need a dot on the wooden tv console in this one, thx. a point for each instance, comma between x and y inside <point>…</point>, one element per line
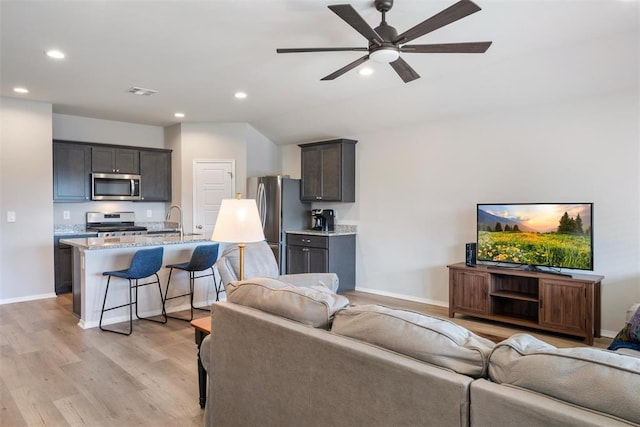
<point>568,305</point>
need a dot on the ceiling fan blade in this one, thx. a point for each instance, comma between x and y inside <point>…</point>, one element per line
<point>346,68</point>
<point>451,14</point>
<point>353,18</point>
<point>322,49</point>
<point>471,47</point>
<point>404,70</point>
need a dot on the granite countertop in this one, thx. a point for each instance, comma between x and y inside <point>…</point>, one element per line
<point>97,243</point>
<point>339,231</point>
<point>152,227</point>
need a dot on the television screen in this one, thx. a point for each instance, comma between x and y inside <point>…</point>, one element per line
<point>554,235</point>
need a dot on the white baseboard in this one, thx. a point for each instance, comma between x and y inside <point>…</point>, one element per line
<point>402,296</point>
<point>27,298</point>
<point>125,318</point>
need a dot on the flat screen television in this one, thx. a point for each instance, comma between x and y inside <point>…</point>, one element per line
<point>553,235</point>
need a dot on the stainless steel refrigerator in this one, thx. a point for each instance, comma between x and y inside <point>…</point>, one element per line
<point>280,208</point>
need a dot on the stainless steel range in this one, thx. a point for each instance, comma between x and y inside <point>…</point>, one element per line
<point>114,224</point>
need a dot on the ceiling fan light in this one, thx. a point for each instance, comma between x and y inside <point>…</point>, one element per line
<point>384,55</point>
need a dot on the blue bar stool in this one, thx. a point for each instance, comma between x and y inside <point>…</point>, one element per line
<point>145,263</point>
<point>203,258</point>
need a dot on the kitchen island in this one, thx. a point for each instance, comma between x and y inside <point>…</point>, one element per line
<point>95,255</point>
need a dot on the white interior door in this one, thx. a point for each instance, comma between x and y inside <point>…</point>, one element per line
<point>213,180</point>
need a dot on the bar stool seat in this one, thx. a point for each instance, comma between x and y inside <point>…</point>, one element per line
<point>145,263</point>
<point>202,259</point>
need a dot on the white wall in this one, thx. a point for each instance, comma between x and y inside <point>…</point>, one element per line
<point>74,128</point>
<point>417,190</point>
<point>26,246</point>
<point>253,153</point>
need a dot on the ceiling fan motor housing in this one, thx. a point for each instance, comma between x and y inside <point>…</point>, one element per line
<point>383,5</point>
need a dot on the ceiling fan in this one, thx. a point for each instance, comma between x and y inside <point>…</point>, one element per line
<point>386,45</point>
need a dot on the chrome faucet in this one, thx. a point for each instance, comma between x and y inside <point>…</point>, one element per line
<point>179,222</point>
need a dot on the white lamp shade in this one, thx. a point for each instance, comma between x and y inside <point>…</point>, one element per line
<point>238,222</point>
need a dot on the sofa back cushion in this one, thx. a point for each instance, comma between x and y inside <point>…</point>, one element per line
<point>584,376</point>
<point>313,306</point>
<point>427,338</point>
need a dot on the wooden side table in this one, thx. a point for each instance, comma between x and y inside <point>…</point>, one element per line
<point>202,327</point>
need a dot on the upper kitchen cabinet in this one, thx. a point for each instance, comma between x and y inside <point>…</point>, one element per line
<point>115,160</point>
<point>155,175</point>
<point>71,171</point>
<point>329,171</point>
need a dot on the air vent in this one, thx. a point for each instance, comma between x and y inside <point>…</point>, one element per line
<point>142,91</point>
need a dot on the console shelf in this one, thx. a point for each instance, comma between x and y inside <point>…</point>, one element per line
<point>564,304</point>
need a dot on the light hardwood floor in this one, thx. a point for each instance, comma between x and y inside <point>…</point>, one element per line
<point>54,373</point>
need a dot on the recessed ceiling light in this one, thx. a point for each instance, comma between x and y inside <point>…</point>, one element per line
<point>366,71</point>
<point>55,54</point>
<point>240,95</point>
<point>179,115</point>
<point>20,90</point>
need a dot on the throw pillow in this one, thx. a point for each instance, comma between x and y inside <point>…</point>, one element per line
<point>313,306</point>
<point>426,338</point>
<point>629,336</point>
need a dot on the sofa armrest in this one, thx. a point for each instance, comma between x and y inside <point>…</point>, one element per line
<point>330,280</point>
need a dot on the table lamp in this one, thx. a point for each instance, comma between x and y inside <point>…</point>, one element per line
<point>238,222</point>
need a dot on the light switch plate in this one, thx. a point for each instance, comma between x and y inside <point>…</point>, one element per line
<point>149,213</point>
<point>66,214</point>
<point>11,216</point>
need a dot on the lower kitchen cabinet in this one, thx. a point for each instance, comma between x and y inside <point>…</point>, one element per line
<point>63,262</point>
<point>330,253</point>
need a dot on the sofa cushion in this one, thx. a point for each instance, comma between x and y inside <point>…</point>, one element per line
<point>427,338</point>
<point>589,377</point>
<point>313,305</point>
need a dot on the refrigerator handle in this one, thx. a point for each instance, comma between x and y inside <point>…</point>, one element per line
<point>262,204</point>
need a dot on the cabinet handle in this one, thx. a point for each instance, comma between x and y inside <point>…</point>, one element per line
<point>305,250</point>
<point>318,197</point>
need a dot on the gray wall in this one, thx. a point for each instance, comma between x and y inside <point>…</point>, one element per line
<point>26,246</point>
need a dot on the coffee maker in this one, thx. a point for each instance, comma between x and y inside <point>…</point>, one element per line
<point>322,220</point>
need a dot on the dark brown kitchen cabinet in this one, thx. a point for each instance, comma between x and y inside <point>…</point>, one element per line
<point>312,253</point>
<point>63,262</point>
<point>155,173</point>
<point>71,172</point>
<point>328,171</point>
<point>115,160</point>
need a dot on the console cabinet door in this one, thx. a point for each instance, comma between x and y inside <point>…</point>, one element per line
<point>71,168</point>
<point>469,292</point>
<point>563,306</point>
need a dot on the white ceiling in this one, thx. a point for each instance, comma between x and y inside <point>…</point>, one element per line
<point>198,53</point>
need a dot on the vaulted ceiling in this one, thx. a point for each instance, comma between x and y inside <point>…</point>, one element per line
<point>197,54</point>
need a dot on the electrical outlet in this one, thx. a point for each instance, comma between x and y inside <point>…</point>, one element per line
<point>149,213</point>
<point>11,216</point>
<point>66,214</point>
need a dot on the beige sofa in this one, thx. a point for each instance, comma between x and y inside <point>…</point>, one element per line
<point>285,356</point>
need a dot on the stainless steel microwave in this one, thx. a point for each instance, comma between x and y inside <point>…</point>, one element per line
<point>115,186</point>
